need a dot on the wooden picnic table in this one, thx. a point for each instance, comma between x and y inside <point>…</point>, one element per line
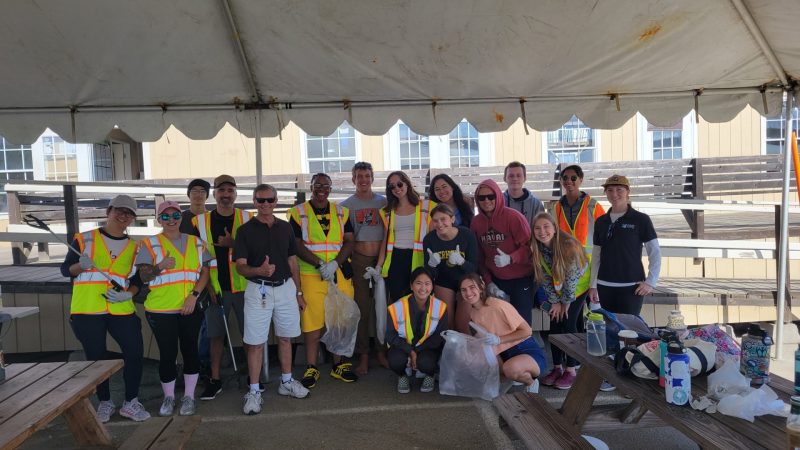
<point>34,394</point>
<point>707,430</point>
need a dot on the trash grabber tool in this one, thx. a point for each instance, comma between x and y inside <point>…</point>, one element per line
<point>36,222</point>
<point>227,333</point>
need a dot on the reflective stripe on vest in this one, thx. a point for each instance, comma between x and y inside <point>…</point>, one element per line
<point>421,222</point>
<point>580,288</point>
<point>90,285</point>
<point>169,289</point>
<point>325,246</point>
<point>203,224</point>
<point>399,313</point>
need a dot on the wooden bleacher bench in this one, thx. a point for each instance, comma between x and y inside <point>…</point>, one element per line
<point>167,433</point>
<point>537,423</point>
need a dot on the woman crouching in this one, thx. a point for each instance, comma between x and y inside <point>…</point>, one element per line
<point>413,332</point>
<point>521,357</point>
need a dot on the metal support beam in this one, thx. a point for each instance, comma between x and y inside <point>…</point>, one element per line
<point>259,170</point>
<point>752,26</point>
<point>248,73</point>
<point>783,251</point>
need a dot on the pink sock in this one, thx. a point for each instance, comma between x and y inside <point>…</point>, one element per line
<point>190,382</point>
<point>169,389</point>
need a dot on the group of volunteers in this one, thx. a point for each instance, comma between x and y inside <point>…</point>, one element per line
<point>446,260</point>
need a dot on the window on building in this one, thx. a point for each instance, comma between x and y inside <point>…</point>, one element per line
<point>415,152</point>
<point>103,162</point>
<point>16,164</point>
<point>60,159</point>
<point>667,143</point>
<point>464,146</point>
<point>334,153</point>
<point>776,133</point>
<point>572,143</point>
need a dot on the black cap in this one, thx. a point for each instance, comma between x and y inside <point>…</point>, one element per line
<point>755,330</point>
<point>199,182</point>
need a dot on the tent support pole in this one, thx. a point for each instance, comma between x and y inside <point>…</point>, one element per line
<point>259,171</point>
<point>783,251</point>
<point>752,26</point>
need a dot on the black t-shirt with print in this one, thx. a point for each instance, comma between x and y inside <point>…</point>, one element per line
<point>621,254</point>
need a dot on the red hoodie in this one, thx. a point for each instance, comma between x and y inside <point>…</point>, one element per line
<point>506,229</point>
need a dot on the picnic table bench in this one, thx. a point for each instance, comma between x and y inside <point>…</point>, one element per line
<point>34,394</point>
<point>707,430</point>
<point>167,433</point>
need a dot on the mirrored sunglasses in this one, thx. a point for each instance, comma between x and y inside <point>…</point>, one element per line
<point>166,216</point>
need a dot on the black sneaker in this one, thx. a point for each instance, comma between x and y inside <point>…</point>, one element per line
<point>213,387</point>
<point>343,371</point>
<point>310,377</point>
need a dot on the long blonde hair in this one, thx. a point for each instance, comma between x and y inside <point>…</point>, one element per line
<point>567,251</point>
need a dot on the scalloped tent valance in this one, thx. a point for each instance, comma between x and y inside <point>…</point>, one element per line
<point>84,66</point>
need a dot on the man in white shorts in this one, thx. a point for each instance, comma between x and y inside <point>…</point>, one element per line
<point>264,252</point>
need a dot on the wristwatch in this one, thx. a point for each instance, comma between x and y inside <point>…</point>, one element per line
<point>299,293</point>
<point>196,294</point>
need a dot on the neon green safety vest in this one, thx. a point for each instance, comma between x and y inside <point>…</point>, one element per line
<point>90,285</point>
<point>325,247</point>
<point>203,224</point>
<point>422,220</point>
<point>169,289</point>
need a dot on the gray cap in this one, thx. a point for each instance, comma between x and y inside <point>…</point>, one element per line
<point>123,201</point>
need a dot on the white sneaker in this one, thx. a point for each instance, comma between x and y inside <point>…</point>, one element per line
<point>134,410</point>
<point>105,410</point>
<point>252,403</point>
<point>293,389</point>
<point>167,407</point>
<point>607,387</point>
<point>187,406</point>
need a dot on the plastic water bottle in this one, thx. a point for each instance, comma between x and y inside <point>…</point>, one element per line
<point>755,354</point>
<point>666,336</point>
<point>679,380</point>
<point>793,425</point>
<point>595,334</point>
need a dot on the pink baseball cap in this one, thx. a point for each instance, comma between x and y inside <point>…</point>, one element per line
<point>167,205</point>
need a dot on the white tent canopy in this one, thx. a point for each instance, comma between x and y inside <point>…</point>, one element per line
<point>80,67</point>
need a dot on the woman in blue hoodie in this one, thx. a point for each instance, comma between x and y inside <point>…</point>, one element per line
<point>504,237</point>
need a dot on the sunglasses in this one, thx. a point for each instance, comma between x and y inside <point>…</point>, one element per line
<point>483,198</point>
<point>322,187</point>
<point>572,178</point>
<point>398,185</point>
<point>610,231</point>
<point>166,216</point>
<point>260,200</point>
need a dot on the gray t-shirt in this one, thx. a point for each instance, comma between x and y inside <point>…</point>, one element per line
<point>144,257</point>
<point>365,217</point>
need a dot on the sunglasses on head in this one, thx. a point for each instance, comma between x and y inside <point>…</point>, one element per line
<point>260,200</point>
<point>398,185</point>
<point>572,178</point>
<point>166,216</point>
<point>483,198</point>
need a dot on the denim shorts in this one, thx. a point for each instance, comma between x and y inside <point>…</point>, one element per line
<point>527,347</point>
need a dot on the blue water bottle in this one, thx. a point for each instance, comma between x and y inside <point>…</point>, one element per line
<point>679,380</point>
<point>797,371</point>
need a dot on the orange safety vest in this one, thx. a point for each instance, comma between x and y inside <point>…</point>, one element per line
<point>203,224</point>
<point>324,246</point>
<point>583,231</point>
<point>169,288</point>
<point>421,223</point>
<point>90,285</point>
<point>399,313</point>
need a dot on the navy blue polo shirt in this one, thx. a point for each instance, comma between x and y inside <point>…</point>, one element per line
<point>621,243</point>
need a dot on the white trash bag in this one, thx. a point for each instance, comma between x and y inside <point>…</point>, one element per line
<point>379,293</point>
<point>341,322</point>
<point>468,367</point>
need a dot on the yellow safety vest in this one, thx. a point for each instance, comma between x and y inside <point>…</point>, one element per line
<point>583,231</point>
<point>399,313</point>
<point>326,247</point>
<point>169,289</point>
<point>203,224</point>
<point>583,282</point>
<point>421,223</point>
<point>90,285</point>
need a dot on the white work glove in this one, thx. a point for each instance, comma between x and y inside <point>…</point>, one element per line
<point>118,296</point>
<point>85,262</point>
<point>372,272</point>
<point>490,339</point>
<point>455,258</point>
<point>433,258</point>
<point>328,270</point>
<point>493,291</point>
<point>501,259</point>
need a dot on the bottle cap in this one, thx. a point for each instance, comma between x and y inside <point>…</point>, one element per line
<point>675,347</point>
<point>595,316</point>
<point>755,330</point>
